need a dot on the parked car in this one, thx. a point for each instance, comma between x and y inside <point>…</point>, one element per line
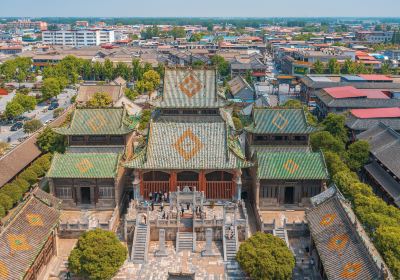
<point>53,106</point>
<point>16,126</point>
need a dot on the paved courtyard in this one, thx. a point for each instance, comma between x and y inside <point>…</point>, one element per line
<point>157,268</point>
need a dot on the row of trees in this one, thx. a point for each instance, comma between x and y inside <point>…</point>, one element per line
<point>334,67</point>
<point>12,193</point>
<point>380,220</point>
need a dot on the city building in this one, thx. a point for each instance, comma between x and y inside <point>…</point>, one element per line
<point>359,120</point>
<point>78,37</point>
<point>27,24</point>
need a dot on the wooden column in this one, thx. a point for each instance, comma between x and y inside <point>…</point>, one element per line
<point>202,181</point>
<point>141,183</point>
<point>257,194</point>
<point>172,181</point>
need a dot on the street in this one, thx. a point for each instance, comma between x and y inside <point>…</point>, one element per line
<point>41,113</point>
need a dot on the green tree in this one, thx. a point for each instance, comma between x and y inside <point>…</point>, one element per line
<point>137,70</point>
<point>122,70</point>
<point>221,64</point>
<point>32,125</point>
<point>333,66</point>
<point>318,67</point>
<point>327,142</point>
<point>151,80</point>
<point>334,163</point>
<point>6,201</point>
<point>264,256</point>
<point>26,101</point>
<point>50,141</point>
<point>348,67</point>
<point>360,68</point>
<point>13,191</point>
<point>100,100</point>
<point>131,93</point>
<point>2,212</point>
<point>335,124</point>
<point>57,112</point>
<point>51,87</point>
<point>29,175</point>
<point>178,32</point>
<point>108,70</point>
<point>22,184</point>
<point>388,241</point>
<point>358,154</point>
<point>98,255</point>
<point>386,68</point>
<point>13,109</point>
<point>196,37</point>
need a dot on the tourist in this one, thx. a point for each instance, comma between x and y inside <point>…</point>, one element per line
<point>162,206</point>
<point>151,196</point>
<point>187,206</point>
<point>182,210</point>
<point>166,196</point>
<point>152,206</point>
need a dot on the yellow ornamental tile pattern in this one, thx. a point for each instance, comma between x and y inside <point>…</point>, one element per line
<point>328,219</point>
<point>18,242</point>
<point>34,220</point>
<point>190,85</point>
<point>351,270</point>
<point>97,122</point>
<point>280,121</point>
<point>338,242</point>
<point>3,271</point>
<point>291,166</point>
<point>84,165</point>
<point>188,145</point>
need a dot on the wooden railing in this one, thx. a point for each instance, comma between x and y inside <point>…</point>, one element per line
<point>155,186</point>
<point>182,184</point>
<point>220,190</point>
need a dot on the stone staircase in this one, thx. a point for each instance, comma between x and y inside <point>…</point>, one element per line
<point>139,247</point>
<point>282,234</point>
<point>233,271</point>
<point>184,241</point>
<point>230,245</point>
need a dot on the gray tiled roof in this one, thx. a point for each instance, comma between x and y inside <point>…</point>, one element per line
<point>189,88</point>
<point>340,247</point>
<point>391,186</point>
<point>195,143</point>
<point>331,102</point>
<point>355,123</point>
<point>385,146</point>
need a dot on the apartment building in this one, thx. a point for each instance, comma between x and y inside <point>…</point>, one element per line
<point>78,37</point>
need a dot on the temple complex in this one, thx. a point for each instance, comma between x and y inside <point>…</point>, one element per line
<point>191,162</point>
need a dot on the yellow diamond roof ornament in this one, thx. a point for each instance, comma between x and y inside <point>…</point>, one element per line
<point>188,144</point>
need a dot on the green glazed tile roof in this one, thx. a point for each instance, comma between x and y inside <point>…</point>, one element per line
<point>109,121</point>
<point>291,165</point>
<point>197,143</point>
<point>279,121</point>
<point>189,88</point>
<point>84,165</point>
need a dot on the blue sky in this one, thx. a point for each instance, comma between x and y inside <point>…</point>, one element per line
<point>205,8</point>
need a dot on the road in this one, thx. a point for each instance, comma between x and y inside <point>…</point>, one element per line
<point>64,99</point>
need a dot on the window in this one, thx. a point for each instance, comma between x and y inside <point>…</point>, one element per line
<point>261,138</point>
<point>300,138</point>
<point>117,140</point>
<point>97,138</point>
<point>269,191</point>
<point>64,192</point>
<point>106,192</point>
<point>78,138</point>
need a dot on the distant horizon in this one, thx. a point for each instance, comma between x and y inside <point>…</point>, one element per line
<point>201,9</point>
